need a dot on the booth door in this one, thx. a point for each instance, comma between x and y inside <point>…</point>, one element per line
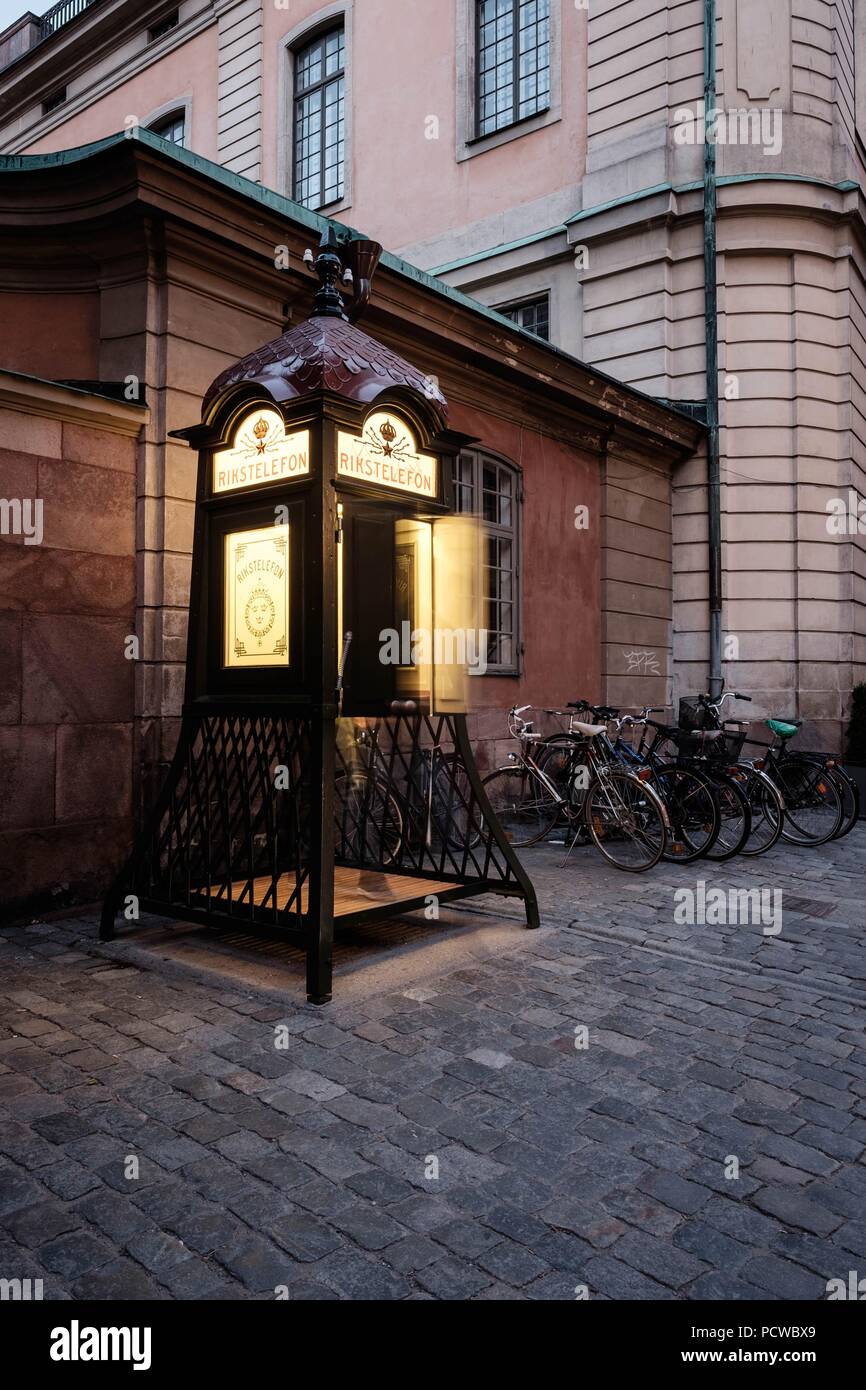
<point>368,606</point>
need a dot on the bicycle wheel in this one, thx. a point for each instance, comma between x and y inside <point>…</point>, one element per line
<point>560,759</point>
<point>627,821</point>
<point>693,812</point>
<point>736,823</point>
<point>850,801</point>
<point>455,814</point>
<point>813,801</point>
<point>368,820</point>
<point>767,806</point>
<point>848,789</point>
<point>522,804</point>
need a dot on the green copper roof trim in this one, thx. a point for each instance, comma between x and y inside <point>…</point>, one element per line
<point>846,186</point>
<point>498,250</point>
<point>287,207</point>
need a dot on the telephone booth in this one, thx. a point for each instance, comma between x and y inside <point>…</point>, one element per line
<point>323,776</point>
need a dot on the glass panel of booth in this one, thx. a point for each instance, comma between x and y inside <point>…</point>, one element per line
<point>256,598</point>
<point>431,636</point>
<point>460,642</point>
<point>413,603</point>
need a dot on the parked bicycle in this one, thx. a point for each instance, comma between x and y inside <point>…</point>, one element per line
<point>621,812</point>
<point>605,779</point>
<point>368,817</point>
<point>813,787</point>
<point>380,802</point>
<point>693,810</point>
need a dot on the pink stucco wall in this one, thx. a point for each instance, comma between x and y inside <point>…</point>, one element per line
<point>405,187</point>
<point>187,71</point>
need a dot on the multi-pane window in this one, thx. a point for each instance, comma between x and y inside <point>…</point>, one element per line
<point>172,128</point>
<point>532,314</point>
<point>513,62</point>
<point>489,489</point>
<point>319,120</point>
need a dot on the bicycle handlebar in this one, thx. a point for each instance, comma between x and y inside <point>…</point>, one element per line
<point>728,695</point>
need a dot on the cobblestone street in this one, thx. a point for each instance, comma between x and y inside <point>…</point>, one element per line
<point>448,1136</point>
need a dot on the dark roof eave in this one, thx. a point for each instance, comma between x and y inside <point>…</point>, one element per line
<point>647,414</point>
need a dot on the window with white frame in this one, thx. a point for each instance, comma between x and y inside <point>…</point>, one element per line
<point>488,487</point>
<point>319,120</point>
<point>531,314</point>
<point>512,62</point>
<point>172,128</point>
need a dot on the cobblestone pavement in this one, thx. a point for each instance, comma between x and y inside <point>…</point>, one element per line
<point>311,1168</point>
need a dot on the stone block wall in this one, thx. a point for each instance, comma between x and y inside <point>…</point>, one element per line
<point>67,605</point>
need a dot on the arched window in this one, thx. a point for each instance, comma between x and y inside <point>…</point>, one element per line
<point>319,119</point>
<point>171,127</point>
<point>489,488</point>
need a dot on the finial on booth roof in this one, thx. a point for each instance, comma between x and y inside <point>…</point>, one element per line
<point>329,268</point>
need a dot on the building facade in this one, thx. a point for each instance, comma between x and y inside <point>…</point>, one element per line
<point>131,273</point>
<point>550,159</point>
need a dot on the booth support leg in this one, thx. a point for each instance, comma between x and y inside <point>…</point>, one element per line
<point>466,755</point>
<point>319,961</point>
<point>106,921</point>
<point>321,900</point>
<point>533,921</point>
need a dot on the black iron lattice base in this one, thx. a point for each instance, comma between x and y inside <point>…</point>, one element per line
<point>244,833</point>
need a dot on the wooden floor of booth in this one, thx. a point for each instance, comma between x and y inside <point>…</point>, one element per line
<point>355,890</point>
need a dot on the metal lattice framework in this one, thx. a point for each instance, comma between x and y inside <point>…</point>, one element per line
<point>233,814</point>
<point>406,802</point>
<point>229,839</point>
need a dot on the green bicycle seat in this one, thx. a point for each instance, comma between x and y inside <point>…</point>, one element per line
<point>783,727</point>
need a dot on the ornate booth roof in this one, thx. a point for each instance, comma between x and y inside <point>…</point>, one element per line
<point>327,353</point>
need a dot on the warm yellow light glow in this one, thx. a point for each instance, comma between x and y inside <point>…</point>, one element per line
<point>261,452</point>
<point>340,553</point>
<point>257,598</point>
<point>413,584</point>
<point>387,455</point>
<point>456,610</point>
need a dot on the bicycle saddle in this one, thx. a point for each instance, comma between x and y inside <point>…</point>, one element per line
<point>589,730</point>
<point>785,728</point>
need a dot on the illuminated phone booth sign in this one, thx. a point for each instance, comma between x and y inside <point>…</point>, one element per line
<point>323,745</point>
<point>387,455</point>
<point>263,451</point>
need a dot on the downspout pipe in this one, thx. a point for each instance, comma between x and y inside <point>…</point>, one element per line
<point>711,315</point>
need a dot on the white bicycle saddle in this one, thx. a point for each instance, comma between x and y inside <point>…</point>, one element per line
<point>590,730</point>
